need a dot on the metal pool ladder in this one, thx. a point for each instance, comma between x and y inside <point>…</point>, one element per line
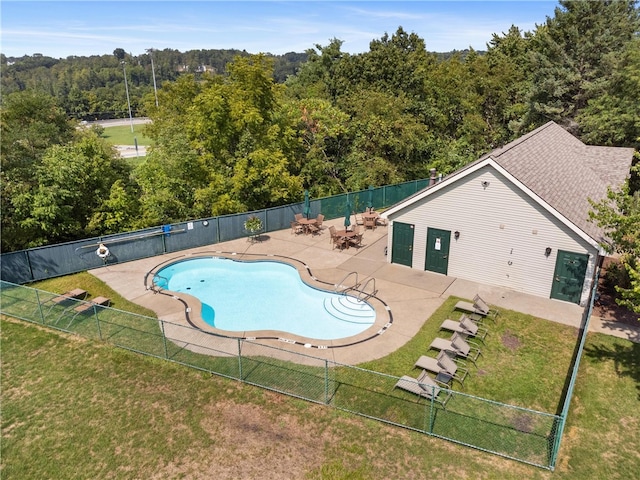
<point>362,294</point>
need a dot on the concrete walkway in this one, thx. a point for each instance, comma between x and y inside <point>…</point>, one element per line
<point>409,296</point>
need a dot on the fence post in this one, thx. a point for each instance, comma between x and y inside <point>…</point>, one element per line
<point>39,306</point>
<point>95,314</point>
<point>164,339</point>
<point>431,409</point>
<point>266,226</point>
<point>239,359</point>
<point>98,324</point>
<point>164,240</point>
<point>558,426</point>
<point>326,382</point>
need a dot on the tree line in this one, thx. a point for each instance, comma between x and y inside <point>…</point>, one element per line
<point>237,139</point>
<point>93,88</point>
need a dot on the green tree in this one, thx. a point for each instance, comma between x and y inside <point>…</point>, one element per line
<point>31,122</point>
<point>573,54</point>
<point>322,132</point>
<point>168,180</point>
<point>389,144</point>
<point>619,215</point>
<point>70,184</point>
<point>613,116</point>
<point>320,76</point>
<point>119,53</point>
<point>502,80</point>
<point>393,64</point>
<point>117,213</point>
<point>224,140</point>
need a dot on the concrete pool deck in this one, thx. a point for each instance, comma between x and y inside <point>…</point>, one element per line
<point>411,295</point>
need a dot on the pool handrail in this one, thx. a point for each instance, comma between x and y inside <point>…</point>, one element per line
<point>154,286</point>
<point>341,283</point>
<point>364,287</point>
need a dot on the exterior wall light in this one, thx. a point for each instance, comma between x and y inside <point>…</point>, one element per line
<point>484,184</point>
<point>456,234</point>
<point>547,251</point>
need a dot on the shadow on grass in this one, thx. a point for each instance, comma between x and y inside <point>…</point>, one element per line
<point>626,359</point>
<point>574,359</point>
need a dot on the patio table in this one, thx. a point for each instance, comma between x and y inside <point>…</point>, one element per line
<point>346,234</point>
<point>305,222</point>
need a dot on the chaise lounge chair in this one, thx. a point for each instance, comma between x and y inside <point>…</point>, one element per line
<point>67,297</point>
<point>424,386</point>
<point>90,305</point>
<point>458,345</point>
<point>465,327</point>
<point>443,366</point>
<point>478,309</point>
<point>75,294</point>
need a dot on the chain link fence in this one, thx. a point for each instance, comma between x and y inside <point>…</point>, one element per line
<point>525,435</point>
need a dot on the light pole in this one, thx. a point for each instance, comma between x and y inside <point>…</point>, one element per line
<point>126,87</point>
<point>153,72</point>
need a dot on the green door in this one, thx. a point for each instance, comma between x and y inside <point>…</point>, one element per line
<point>402,248</point>
<point>568,277</point>
<point>437,250</point>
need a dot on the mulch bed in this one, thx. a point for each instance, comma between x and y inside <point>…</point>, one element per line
<point>606,307</point>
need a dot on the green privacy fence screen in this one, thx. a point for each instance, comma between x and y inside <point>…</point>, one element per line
<point>521,434</point>
<point>62,259</point>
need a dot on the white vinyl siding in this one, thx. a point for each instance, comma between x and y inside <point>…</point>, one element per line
<point>503,233</point>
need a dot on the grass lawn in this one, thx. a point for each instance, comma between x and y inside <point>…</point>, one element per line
<point>95,288</point>
<point>122,135</point>
<point>101,412</point>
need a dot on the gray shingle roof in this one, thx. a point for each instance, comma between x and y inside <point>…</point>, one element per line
<point>560,169</point>
<point>565,172</point>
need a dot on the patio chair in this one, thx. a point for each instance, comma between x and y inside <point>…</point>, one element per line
<point>296,228</point>
<point>465,327</point>
<point>298,216</point>
<point>359,219</point>
<point>337,240</point>
<point>444,367</point>
<point>370,222</point>
<point>459,346</point>
<point>318,225</point>
<point>356,240</point>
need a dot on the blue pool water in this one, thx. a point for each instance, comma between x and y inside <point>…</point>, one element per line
<point>246,296</point>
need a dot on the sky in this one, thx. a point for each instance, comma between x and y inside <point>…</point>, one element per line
<point>83,28</point>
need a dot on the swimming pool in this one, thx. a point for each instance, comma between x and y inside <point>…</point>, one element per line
<point>265,295</point>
